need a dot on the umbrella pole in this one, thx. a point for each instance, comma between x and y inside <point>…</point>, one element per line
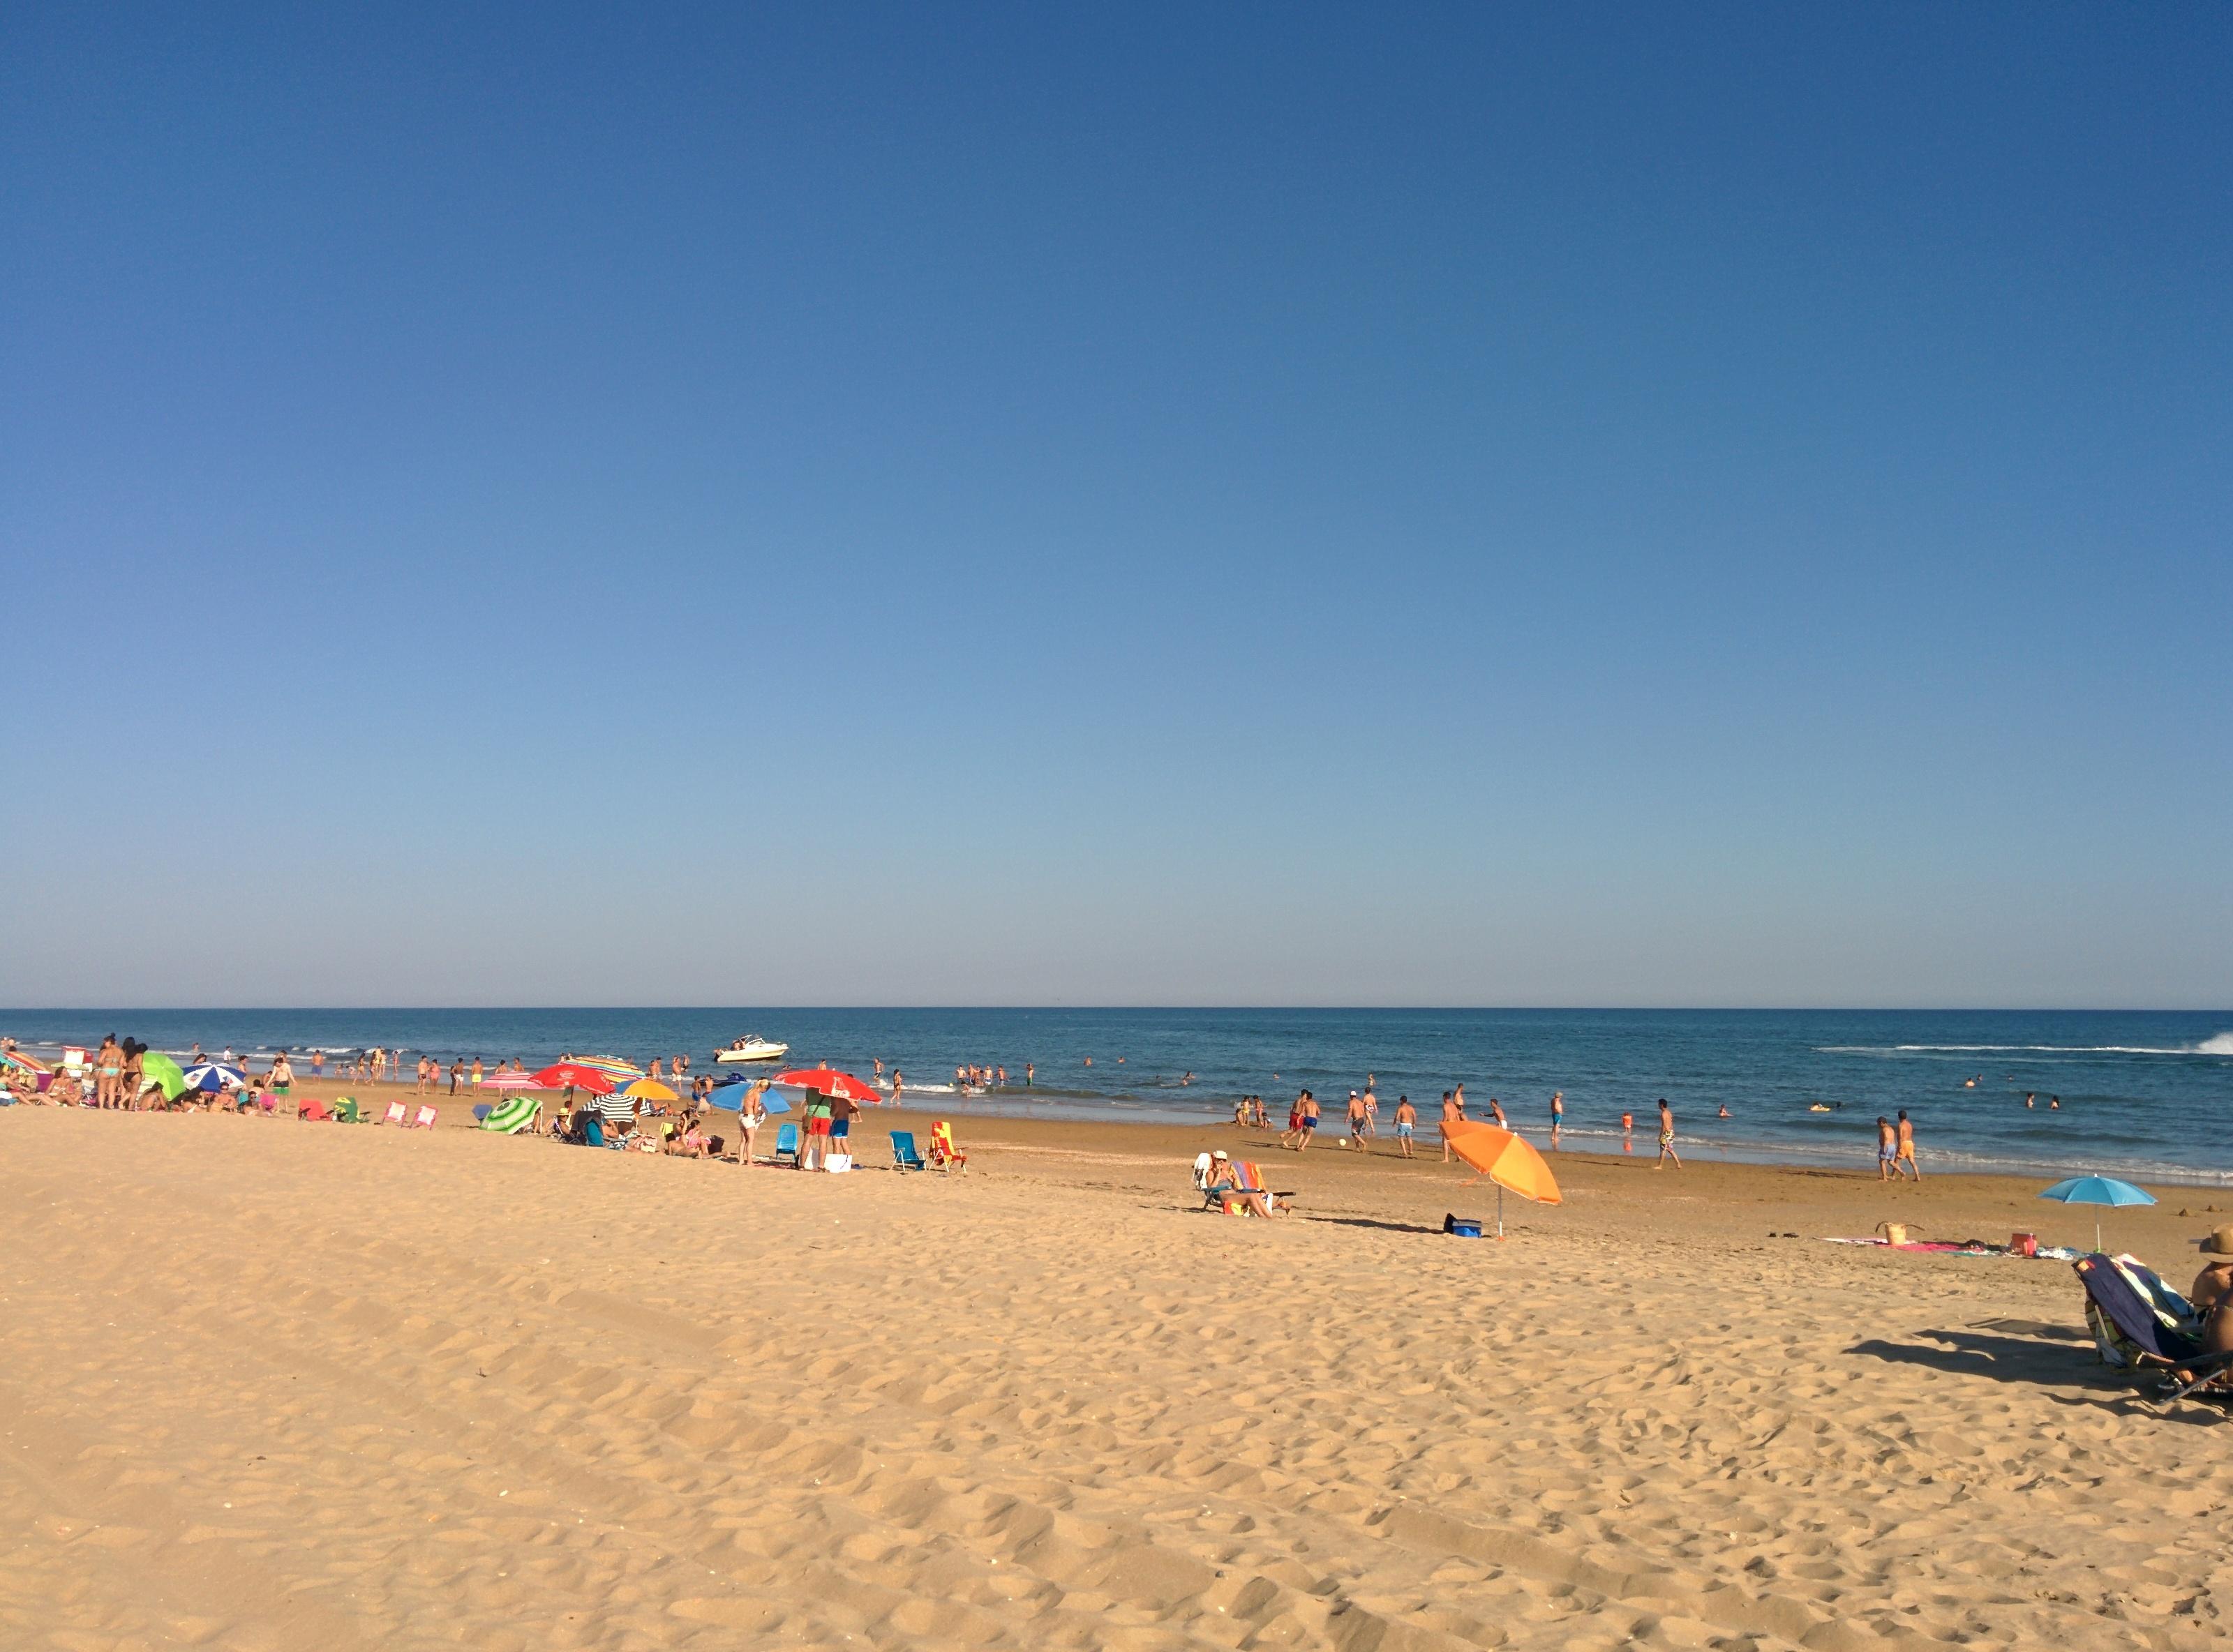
<point>1499,1209</point>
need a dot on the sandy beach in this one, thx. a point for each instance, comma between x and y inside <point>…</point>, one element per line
<point>273,1385</point>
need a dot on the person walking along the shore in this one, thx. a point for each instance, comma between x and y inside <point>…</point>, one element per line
<point>1452,1113</point>
<point>1407,1118</point>
<point>1905,1163</point>
<point>1887,1148</point>
<point>1667,1137</point>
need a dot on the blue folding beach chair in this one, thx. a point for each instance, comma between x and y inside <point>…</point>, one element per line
<point>904,1156</point>
<point>786,1145</point>
<point>2136,1319</point>
<point>2139,1322</point>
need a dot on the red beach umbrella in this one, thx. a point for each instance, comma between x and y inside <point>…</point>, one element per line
<point>830,1082</point>
<point>561,1073</point>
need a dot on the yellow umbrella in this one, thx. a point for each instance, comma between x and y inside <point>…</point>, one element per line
<point>1506,1159</point>
<point>647,1089</point>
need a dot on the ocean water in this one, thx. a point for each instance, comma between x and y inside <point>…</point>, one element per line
<point>2146,1095</point>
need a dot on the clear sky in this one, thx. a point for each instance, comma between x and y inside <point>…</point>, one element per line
<point>1481,505</point>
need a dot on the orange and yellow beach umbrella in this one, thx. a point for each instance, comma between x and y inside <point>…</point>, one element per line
<point>1508,1160</point>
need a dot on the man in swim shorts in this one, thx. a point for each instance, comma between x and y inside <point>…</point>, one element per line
<point>1905,1162</point>
<point>1667,1137</point>
<point>1887,1148</point>
<point>1407,1118</point>
<point>842,1109</point>
<point>817,1145</point>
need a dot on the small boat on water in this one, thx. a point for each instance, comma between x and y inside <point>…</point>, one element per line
<point>754,1048</point>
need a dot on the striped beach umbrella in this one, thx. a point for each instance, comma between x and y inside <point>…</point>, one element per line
<point>215,1076</point>
<point>611,1066</point>
<point>572,1074</point>
<point>510,1081</point>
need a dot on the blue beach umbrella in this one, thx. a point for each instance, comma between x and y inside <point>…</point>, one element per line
<point>2097,1190</point>
<point>215,1076</point>
<point>729,1094</point>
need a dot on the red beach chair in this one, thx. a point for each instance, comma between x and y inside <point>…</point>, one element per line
<point>944,1155</point>
<point>426,1118</point>
<point>396,1114</point>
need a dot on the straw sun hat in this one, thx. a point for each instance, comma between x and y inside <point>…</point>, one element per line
<point>2218,1241</point>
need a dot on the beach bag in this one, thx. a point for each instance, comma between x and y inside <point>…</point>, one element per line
<point>838,1162</point>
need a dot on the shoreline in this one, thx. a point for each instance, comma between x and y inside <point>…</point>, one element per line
<point>1065,1108</point>
<point>1841,1200</point>
<point>2146,1096</point>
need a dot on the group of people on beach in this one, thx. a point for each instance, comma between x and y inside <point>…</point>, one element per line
<point>119,1077</point>
<point>1362,1120</point>
<point>976,1076</point>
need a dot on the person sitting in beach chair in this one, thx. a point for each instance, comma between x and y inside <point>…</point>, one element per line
<point>944,1155</point>
<point>1238,1189</point>
<point>2140,1323</point>
<point>2137,1319</point>
<point>1214,1174</point>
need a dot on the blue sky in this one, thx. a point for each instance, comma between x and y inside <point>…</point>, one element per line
<point>1435,505</point>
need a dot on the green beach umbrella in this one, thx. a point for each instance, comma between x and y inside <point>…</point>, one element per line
<point>157,1068</point>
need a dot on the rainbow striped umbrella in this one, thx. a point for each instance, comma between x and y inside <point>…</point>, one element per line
<point>611,1066</point>
<point>510,1081</point>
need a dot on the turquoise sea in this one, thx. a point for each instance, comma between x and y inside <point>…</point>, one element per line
<point>2147,1095</point>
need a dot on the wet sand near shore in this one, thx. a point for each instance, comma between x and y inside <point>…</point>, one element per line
<point>276,1385</point>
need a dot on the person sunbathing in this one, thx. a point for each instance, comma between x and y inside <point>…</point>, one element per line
<point>1224,1184</point>
<point>2212,1293</point>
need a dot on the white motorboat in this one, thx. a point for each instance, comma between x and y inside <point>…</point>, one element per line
<point>752,1049</point>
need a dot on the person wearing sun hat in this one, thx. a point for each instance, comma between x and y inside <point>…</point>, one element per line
<point>2212,1292</point>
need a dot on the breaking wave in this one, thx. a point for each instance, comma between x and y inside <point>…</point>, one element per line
<point>2217,1044</point>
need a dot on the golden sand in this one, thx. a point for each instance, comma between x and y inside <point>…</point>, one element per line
<point>270,1385</point>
